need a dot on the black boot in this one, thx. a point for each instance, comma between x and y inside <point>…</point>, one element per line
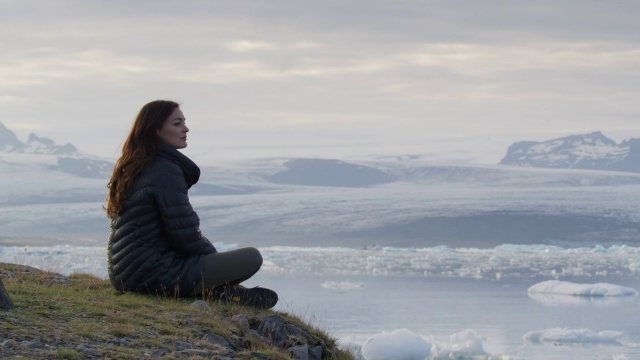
<point>256,297</point>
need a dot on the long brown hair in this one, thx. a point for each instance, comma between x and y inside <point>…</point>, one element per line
<point>140,148</point>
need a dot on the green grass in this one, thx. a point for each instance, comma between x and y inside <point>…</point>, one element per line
<point>90,311</point>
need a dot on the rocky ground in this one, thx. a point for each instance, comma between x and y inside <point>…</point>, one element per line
<point>56,317</point>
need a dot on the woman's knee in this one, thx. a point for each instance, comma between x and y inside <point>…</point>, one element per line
<point>254,257</point>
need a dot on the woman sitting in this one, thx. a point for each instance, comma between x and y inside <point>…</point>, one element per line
<point>155,244</point>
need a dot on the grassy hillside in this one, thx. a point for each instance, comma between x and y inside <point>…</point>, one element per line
<point>82,316</point>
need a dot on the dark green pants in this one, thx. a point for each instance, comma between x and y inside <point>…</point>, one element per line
<point>229,268</point>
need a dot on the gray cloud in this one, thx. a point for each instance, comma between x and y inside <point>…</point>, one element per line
<point>406,75</point>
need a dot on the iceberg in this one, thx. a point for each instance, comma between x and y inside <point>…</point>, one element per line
<point>570,288</point>
<point>398,344</point>
<point>406,345</point>
<point>573,336</point>
<point>466,344</point>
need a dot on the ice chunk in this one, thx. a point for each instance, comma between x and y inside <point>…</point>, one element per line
<point>401,344</point>
<point>342,285</point>
<point>465,344</point>
<point>565,335</point>
<point>404,344</point>
<point>569,288</point>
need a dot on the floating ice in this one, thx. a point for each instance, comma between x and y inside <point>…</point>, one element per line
<point>463,345</point>
<point>342,285</point>
<point>573,336</point>
<point>406,345</point>
<point>500,263</point>
<point>569,288</point>
<point>401,344</point>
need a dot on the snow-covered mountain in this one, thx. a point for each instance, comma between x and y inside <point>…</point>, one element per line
<point>65,158</point>
<point>592,151</point>
<point>47,192</point>
<point>35,145</point>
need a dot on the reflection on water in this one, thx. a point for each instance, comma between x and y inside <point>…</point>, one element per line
<point>573,300</point>
<point>501,312</point>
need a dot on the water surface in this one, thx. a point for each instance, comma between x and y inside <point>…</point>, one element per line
<point>499,311</point>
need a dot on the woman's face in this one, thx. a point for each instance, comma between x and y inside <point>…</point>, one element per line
<point>174,130</point>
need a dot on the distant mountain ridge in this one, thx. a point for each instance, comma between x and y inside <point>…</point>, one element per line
<point>35,145</point>
<point>329,172</point>
<point>69,159</point>
<point>593,151</point>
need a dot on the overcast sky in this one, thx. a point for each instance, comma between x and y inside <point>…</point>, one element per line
<point>448,79</point>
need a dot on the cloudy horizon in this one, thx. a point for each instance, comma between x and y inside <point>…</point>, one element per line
<point>450,79</point>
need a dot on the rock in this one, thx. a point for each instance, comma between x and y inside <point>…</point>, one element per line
<point>16,271</point>
<point>216,339</point>
<point>182,345</point>
<point>273,328</point>
<point>160,353</point>
<point>194,352</point>
<point>316,352</point>
<point>243,323</point>
<point>7,344</point>
<point>300,352</point>
<point>32,344</point>
<point>302,335</point>
<point>5,299</point>
<point>200,305</point>
<point>294,340</point>
<point>125,342</point>
<point>88,350</point>
<point>255,335</point>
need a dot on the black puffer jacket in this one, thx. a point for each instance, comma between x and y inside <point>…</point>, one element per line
<point>155,244</point>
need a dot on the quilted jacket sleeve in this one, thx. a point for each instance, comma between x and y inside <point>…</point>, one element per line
<point>181,224</point>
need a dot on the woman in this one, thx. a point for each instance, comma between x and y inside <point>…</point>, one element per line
<point>155,244</point>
